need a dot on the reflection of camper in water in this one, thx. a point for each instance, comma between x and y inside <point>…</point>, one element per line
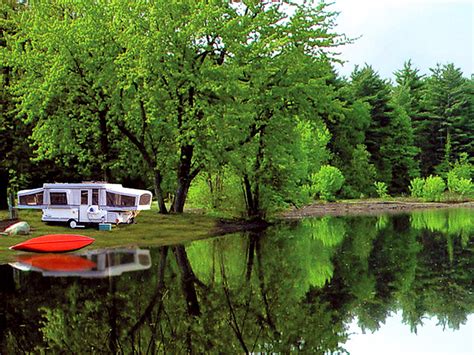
<point>91,264</point>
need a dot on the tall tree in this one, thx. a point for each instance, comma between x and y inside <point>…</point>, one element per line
<point>367,85</point>
<point>17,167</point>
<point>408,95</point>
<point>399,147</point>
<point>284,74</point>
<point>348,124</point>
<point>448,117</point>
<point>11,133</point>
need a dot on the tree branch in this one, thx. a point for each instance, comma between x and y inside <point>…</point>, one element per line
<point>140,145</point>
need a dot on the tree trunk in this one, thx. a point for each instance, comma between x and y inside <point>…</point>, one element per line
<point>252,196</point>
<point>181,194</point>
<point>251,202</point>
<point>184,178</point>
<point>3,190</point>
<point>159,192</point>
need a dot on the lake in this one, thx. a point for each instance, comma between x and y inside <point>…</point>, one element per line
<point>364,285</point>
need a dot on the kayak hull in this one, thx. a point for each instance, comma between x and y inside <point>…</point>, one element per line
<point>54,243</point>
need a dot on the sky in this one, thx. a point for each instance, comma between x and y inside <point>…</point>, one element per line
<point>394,338</point>
<point>392,31</point>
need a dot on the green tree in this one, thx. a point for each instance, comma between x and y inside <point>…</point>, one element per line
<point>348,123</point>
<point>448,113</point>
<point>412,84</point>
<point>360,174</point>
<point>367,85</point>
<point>282,71</point>
<point>399,148</point>
<point>18,168</point>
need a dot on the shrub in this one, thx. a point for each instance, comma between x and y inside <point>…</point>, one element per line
<point>452,180</point>
<point>416,187</point>
<point>329,180</point>
<point>459,185</point>
<point>464,187</point>
<point>462,168</point>
<point>381,189</point>
<point>433,188</point>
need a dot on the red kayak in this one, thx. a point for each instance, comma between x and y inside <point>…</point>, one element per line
<point>57,262</point>
<point>54,243</point>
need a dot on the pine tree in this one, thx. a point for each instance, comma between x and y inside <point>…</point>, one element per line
<point>369,87</point>
<point>447,104</point>
<point>399,148</point>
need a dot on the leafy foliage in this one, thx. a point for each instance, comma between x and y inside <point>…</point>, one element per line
<point>328,181</point>
<point>416,187</point>
<point>459,185</point>
<point>447,111</point>
<point>459,179</point>
<point>433,188</point>
<point>360,174</point>
<point>382,189</point>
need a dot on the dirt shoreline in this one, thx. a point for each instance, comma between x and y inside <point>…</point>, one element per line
<point>352,208</point>
<point>366,208</point>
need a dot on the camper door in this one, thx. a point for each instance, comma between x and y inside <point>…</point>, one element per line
<point>89,210</point>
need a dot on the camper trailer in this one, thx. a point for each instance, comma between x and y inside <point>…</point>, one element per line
<point>84,203</point>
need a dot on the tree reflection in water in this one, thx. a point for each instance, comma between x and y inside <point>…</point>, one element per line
<point>292,287</point>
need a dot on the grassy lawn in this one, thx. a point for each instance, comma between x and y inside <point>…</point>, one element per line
<point>151,229</point>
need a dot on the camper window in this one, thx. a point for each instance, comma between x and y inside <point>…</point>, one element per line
<point>84,197</point>
<point>32,200</point>
<point>58,198</point>
<point>95,197</point>
<point>145,199</point>
<point>118,200</point>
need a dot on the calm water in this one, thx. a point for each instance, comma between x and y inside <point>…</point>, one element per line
<point>388,284</point>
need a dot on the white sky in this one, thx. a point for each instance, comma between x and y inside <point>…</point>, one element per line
<point>394,338</point>
<point>426,31</point>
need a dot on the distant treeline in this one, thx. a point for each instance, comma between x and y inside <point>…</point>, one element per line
<point>235,106</point>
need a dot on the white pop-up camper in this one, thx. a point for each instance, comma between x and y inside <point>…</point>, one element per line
<point>86,202</point>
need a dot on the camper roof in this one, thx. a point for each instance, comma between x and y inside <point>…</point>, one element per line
<point>118,188</point>
<point>90,185</point>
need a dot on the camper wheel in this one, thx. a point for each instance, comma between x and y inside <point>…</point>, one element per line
<point>72,223</point>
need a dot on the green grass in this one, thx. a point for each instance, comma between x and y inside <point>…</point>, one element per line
<point>151,229</point>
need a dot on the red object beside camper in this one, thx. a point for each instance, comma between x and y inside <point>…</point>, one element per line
<point>57,262</point>
<point>54,243</point>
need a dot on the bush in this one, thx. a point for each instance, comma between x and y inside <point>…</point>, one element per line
<point>381,189</point>
<point>329,180</point>
<point>416,187</point>
<point>462,168</point>
<point>433,188</point>
<point>459,185</point>
<point>464,187</point>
